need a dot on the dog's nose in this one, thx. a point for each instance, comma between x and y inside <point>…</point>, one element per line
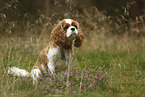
<point>73,29</point>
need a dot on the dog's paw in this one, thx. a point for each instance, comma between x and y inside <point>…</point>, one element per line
<point>35,74</point>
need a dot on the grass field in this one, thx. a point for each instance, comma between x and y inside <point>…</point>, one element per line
<point>123,58</point>
<point>105,66</point>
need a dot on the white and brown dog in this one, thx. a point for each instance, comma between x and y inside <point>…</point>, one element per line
<point>53,58</point>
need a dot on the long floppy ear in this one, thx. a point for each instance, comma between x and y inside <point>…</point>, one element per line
<point>58,35</point>
<point>79,39</point>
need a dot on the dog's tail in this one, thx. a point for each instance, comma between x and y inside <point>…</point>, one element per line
<point>15,71</point>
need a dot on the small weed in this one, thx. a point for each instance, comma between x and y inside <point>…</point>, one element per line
<point>79,80</point>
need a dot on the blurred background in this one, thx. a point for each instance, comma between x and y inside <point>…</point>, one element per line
<point>37,17</point>
<point>114,37</point>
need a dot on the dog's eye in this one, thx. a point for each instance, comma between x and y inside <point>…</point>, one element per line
<point>66,27</point>
<point>75,26</point>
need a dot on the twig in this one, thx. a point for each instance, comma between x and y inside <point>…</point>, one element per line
<point>68,73</point>
<point>6,5</point>
<point>81,80</point>
<point>4,92</point>
<point>42,32</point>
<point>55,95</point>
<point>82,77</point>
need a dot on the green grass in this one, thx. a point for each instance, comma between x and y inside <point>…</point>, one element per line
<point>123,56</point>
<point>124,59</point>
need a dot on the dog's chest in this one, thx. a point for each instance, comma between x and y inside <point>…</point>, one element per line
<point>58,57</point>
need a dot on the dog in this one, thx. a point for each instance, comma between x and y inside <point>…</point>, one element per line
<point>54,57</point>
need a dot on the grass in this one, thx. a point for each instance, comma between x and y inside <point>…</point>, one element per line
<point>123,58</point>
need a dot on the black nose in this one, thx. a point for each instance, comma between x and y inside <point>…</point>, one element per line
<point>73,29</point>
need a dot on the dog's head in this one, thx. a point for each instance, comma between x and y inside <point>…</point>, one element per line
<point>66,32</point>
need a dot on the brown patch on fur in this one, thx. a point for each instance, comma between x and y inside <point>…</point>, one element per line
<point>64,25</point>
<point>58,34</point>
<point>42,60</point>
<point>52,45</point>
<point>43,55</point>
<point>74,23</point>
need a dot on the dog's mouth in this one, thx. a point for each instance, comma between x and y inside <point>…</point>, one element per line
<point>73,35</point>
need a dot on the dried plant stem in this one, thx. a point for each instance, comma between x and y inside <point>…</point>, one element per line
<point>82,77</point>
<point>55,95</point>
<point>68,73</point>
<point>81,80</point>
<point>45,25</point>
<point>9,54</point>
<point>2,88</point>
<point>143,48</point>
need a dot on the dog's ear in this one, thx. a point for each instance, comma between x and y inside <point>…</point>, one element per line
<point>79,39</point>
<point>58,34</point>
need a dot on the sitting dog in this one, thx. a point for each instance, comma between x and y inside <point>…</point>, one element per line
<point>53,58</point>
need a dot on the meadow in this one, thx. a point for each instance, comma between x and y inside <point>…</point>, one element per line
<point>106,65</point>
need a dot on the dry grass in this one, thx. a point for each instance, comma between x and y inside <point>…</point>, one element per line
<point>122,55</point>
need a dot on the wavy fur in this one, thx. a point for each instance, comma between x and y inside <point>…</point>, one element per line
<point>79,39</point>
<point>58,35</point>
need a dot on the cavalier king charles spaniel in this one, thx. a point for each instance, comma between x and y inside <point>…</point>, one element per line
<point>54,57</point>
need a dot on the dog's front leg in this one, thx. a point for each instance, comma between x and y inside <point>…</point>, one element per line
<point>51,67</point>
<point>53,55</point>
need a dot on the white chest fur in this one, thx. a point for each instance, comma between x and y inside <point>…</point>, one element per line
<point>55,61</point>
